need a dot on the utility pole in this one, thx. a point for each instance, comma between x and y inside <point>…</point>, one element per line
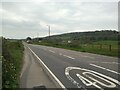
<point>37,36</point>
<point>49,30</point>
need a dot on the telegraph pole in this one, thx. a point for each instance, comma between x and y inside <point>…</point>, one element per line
<point>49,30</point>
<point>38,36</point>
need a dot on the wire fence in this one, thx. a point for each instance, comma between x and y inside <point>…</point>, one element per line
<point>101,47</point>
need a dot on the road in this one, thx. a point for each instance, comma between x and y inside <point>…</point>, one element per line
<point>78,69</point>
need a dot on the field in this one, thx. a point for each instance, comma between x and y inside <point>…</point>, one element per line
<point>11,63</point>
<point>106,47</point>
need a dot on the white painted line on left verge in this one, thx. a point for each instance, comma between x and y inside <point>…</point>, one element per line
<point>57,80</point>
<point>105,69</point>
<point>21,74</point>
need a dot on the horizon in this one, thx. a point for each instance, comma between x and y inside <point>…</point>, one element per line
<point>59,34</point>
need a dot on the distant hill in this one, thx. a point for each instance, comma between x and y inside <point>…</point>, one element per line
<point>85,37</point>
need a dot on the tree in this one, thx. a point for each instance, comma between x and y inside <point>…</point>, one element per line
<point>28,38</point>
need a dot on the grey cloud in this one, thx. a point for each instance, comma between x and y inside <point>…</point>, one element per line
<point>63,17</point>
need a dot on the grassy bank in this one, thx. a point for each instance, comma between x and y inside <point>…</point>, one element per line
<point>109,48</point>
<point>11,63</point>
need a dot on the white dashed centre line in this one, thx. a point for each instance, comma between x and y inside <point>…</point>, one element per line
<point>44,49</point>
<point>69,57</point>
<point>88,56</point>
<point>111,62</point>
<point>104,62</point>
<point>105,69</point>
<point>52,51</point>
<point>60,53</point>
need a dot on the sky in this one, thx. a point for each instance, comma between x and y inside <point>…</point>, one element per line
<point>20,19</point>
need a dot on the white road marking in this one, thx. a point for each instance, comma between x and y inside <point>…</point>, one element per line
<point>52,51</point>
<point>115,62</point>
<point>105,62</point>
<point>70,78</point>
<point>60,53</point>
<point>87,81</point>
<point>45,49</point>
<point>21,75</point>
<point>105,69</point>
<point>111,84</point>
<point>68,56</point>
<point>87,56</point>
<point>83,79</point>
<point>57,80</point>
<point>111,62</point>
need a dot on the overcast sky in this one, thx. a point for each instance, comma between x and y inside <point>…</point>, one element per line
<point>23,19</point>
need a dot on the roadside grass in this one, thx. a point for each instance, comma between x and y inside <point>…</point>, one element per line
<point>109,48</point>
<point>107,42</point>
<point>11,63</point>
<point>103,51</point>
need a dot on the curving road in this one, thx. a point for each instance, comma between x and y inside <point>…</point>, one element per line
<point>79,70</point>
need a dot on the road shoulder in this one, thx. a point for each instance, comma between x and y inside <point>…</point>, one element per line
<point>33,74</point>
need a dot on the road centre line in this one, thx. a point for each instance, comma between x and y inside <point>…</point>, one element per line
<point>105,62</point>
<point>52,51</point>
<point>60,53</point>
<point>105,69</point>
<point>111,62</point>
<point>57,80</point>
<point>87,56</point>
<point>69,56</point>
<point>45,49</point>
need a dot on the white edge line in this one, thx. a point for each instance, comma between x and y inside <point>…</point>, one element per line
<point>69,57</point>
<point>105,69</point>
<point>62,86</point>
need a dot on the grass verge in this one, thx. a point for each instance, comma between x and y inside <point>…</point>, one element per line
<point>11,63</point>
<point>97,48</point>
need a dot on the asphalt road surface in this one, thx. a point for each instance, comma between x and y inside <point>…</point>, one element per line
<point>79,70</point>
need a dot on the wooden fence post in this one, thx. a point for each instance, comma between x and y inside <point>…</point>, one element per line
<point>100,46</point>
<point>109,47</point>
